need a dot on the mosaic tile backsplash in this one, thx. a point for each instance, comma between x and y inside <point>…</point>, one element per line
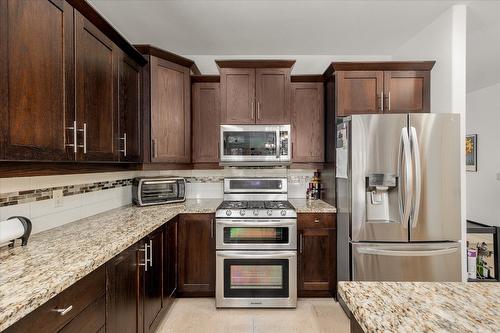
<point>89,194</point>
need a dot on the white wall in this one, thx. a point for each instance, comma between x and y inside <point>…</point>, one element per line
<point>483,186</point>
<point>444,40</point>
<point>305,64</point>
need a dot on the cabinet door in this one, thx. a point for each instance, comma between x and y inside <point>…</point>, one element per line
<point>272,95</point>
<point>96,92</point>
<point>206,122</point>
<point>170,112</point>
<point>196,255</point>
<point>153,281</point>
<point>237,95</point>
<point>124,290</point>
<point>359,92</point>
<point>317,262</point>
<point>407,91</point>
<point>308,142</point>
<point>129,110</point>
<point>36,80</point>
<point>170,263</point>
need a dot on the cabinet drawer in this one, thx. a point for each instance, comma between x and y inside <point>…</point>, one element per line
<point>316,220</point>
<point>91,320</point>
<point>80,295</point>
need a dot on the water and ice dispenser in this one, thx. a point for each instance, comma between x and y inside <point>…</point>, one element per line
<point>379,186</point>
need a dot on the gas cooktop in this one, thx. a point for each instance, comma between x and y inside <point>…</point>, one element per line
<point>267,208</point>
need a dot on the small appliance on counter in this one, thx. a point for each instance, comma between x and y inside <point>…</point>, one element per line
<point>147,191</point>
<point>15,227</point>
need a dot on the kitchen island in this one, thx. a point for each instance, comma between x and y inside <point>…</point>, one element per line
<point>422,306</point>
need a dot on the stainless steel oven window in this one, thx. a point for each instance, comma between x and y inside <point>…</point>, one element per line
<point>256,235</point>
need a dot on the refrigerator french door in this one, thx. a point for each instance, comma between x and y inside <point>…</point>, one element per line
<point>398,182</point>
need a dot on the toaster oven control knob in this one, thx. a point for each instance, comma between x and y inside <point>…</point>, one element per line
<point>228,212</point>
<point>269,212</point>
<point>255,212</point>
<point>283,212</point>
<point>242,212</point>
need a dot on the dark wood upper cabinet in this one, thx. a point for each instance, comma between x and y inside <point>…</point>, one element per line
<point>196,251</point>
<point>272,95</point>
<point>153,281</point>
<point>124,291</point>
<point>381,87</point>
<point>255,91</point>
<point>316,255</point>
<point>307,115</point>
<point>238,95</point>
<point>166,107</point>
<point>407,91</point>
<point>206,121</point>
<point>36,80</point>
<point>359,92</point>
<point>129,107</point>
<point>96,92</point>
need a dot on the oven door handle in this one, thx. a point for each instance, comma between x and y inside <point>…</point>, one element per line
<point>259,255</point>
<point>257,223</point>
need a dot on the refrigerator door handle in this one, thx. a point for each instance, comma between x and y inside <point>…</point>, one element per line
<point>415,148</point>
<point>406,199</point>
<point>403,253</point>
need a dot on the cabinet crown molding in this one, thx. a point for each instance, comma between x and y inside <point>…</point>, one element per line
<point>169,56</point>
<point>379,66</point>
<point>260,63</point>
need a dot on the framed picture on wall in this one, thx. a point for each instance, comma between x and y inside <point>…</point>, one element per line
<point>471,152</point>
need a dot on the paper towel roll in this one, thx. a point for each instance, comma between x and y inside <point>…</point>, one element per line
<point>9,230</point>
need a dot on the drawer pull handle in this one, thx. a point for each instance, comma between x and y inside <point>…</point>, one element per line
<point>62,312</point>
<point>316,220</point>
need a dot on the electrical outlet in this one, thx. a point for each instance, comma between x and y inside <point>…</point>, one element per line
<point>57,195</point>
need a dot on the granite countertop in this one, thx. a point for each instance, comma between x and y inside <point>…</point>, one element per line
<point>57,258</point>
<point>423,306</point>
<point>312,206</point>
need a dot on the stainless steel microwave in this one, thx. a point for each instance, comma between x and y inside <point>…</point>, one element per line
<point>255,145</point>
<point>158,190</point>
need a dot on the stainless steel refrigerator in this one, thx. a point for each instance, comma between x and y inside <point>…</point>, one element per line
<point>398,197</point>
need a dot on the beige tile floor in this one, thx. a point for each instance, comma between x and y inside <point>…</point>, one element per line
<point>200,315</point>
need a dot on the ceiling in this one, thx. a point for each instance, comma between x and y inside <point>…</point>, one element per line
<point>278,27</point>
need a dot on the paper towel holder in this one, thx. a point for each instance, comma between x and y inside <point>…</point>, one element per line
<point>26,225</point>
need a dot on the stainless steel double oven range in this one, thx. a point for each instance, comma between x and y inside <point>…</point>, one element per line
<point>256,242</point>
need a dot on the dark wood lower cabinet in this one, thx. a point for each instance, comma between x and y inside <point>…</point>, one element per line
<point>153,281</point>
<point>316,256</point>
<point>124,281</point>
<point>170,263</point>
<point>196,251</point>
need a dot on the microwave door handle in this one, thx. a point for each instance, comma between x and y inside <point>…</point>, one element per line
<point>278,143</point>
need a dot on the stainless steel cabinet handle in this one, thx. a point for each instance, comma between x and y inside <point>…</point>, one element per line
<point>84,130</point>
<point>74,144</point>
<point>258,110</point>
<point>389,101</point>
<point>382,101</point>
<point>301,243</point>
<point>146,260</point>
<point>150,253</point>
<point>154,150</point>
<point>124,139</point>
<point>316,220</point>
<point>252,110</point>
<point>62,312</point>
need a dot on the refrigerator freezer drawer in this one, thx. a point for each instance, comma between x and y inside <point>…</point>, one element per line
<point>406,262</point>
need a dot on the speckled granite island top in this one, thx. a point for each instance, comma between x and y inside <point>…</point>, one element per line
<point>57,258</point>
<point>312,206</point>
<point>423,306</point>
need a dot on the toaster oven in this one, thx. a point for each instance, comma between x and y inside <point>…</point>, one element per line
<point>148,191</point>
